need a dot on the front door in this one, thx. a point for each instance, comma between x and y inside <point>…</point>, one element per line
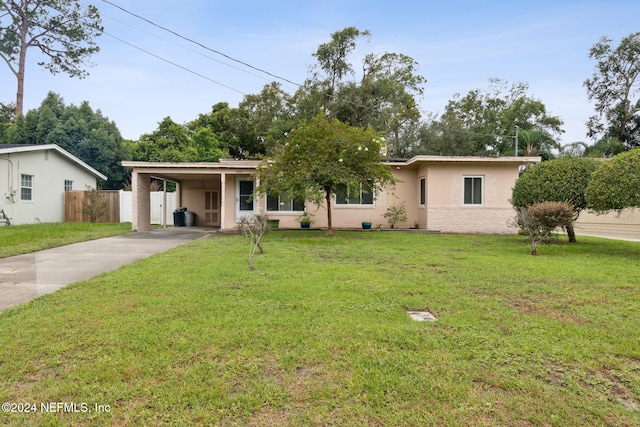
<point>245,202</point>
<point>211,208</point>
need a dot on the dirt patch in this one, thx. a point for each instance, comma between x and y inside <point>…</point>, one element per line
<point>540,308</point>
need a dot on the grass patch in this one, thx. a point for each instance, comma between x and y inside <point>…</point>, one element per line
<point>319,335</point>
<point>22,239</point>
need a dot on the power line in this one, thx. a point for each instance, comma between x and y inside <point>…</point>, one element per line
<point>174,64</point>
<point>335,97</point>
<point>202,45</point>
<point>183,47</point>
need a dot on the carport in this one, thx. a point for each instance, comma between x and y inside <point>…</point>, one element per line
<point>216,192</point>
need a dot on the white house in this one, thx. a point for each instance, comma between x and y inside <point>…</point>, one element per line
<point>33,179</point>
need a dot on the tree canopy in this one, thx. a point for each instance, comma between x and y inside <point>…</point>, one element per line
<point>484,123</point>
<point>319,157</point>
<point>615,184</point>
<point>560,180</point>
<point>614,88</point>
<point>173,142</point>
<point>62,30</point>
<point>384,95</point>
<point>85,133</point>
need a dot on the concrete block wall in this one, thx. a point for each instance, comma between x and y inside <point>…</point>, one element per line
<point>471,219</point>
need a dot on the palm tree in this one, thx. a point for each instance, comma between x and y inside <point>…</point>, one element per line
<point>537,142</point>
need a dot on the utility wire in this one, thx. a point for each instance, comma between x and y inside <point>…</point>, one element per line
<point>202,45</point>
<point>183,47</point>
<point>335,97</point>
<point>242,63</point>
<point>174,64</point>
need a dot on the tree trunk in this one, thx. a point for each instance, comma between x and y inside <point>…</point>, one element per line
<point>570,232</point>
<point>327,193</point>
<point>534,245</point>
<point>22,61</point>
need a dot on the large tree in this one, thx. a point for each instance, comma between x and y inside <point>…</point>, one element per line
<point>320,157</point>
<point>383,94</point>
<point>560,180</point>
<point>80,130</point>
<point>173,142</point>
<point>62,30</point>
<point>483,122</point>
<point>537,142</point>
<point>614,89</point>
<point>615,185</point>
<point>7,117</point>
<point>271,114</point>
<point>234,130</point>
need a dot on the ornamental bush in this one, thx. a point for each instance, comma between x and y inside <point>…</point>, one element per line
<point>615,184</point>
<point>560,180</point>
<point>541,219</point>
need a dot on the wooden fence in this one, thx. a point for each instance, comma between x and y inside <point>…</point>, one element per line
<point>77,206</point>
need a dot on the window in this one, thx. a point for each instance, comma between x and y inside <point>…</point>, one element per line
<point>423,191</point>
<point>472,190</point>
<point>26,187</point>
<point>68,185</point>
<point>284,203</point>
<point>245,195</point>
<point>359,195</point>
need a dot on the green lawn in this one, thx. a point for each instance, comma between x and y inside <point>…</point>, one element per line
<point>318,335</point>
<point>22,239</point>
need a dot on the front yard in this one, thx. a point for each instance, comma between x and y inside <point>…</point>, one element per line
<point>318,335</point>
<point>22,239</point>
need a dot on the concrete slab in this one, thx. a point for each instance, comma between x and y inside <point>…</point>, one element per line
<point>25,277</point>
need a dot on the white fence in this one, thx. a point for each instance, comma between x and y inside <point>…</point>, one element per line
<point>126,207</point>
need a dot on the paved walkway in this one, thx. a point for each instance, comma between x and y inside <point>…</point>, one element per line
<point>25,277</point>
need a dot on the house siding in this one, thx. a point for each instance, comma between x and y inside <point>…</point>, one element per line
<point>445,210</point>
<point>624,224</point>
<point>49,169</point>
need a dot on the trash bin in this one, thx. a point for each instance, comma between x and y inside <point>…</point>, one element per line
<point>179,217</point>
<point>189,219</point>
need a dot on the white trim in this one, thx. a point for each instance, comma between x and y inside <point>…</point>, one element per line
<point>22,187</point>
<point>363,205</point>
<point>241,213</point>
<point>481,177</point>
<point>280,203</point>
<point>45,147</point>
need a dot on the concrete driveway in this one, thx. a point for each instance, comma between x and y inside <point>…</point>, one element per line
<point>25,277</point>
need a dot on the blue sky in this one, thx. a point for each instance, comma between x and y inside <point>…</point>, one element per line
<point>459,45</point>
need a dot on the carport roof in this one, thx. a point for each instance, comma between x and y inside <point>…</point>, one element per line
<point>176,171</point>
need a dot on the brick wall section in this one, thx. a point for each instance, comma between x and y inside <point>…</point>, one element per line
<point>471,219</point>
<point>141,185</point>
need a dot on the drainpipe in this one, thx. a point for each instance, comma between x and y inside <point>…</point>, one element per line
<point>10,192</point>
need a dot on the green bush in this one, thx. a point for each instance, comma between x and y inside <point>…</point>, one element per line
<point>616,183</point>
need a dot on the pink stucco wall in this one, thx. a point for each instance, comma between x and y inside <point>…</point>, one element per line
<point>443,211</point>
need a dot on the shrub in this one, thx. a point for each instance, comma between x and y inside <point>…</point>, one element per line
<point>559,180</point>
<point>615,184</point>
<point>94,205</point>
<point>540,219</point>
<point>254,227</point>
<point>396,214</point>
